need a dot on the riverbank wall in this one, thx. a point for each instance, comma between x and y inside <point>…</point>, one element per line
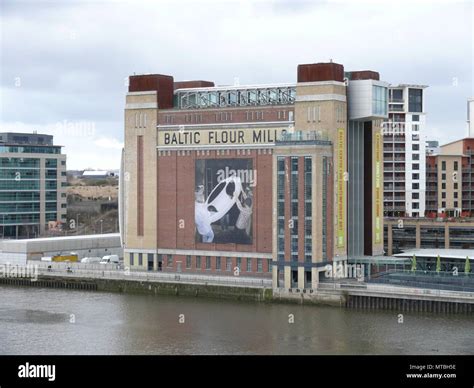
<point>242,293</point>
<point>374,298</point>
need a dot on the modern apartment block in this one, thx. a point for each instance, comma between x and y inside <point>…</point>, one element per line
<point>32,184</point>
<point>273,180</point>
<point>404,152</point>
<point>450,180</point>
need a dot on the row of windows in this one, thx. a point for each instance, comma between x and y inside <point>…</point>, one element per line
<point>26,207</point>
<point>227,116</point>
<point>221,264</point>
<point>30,149</point>
<point>455,165</point>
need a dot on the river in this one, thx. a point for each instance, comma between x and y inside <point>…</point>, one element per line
<point>51,321</point>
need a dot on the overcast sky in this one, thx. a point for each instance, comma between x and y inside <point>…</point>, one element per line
<point>64,64</point>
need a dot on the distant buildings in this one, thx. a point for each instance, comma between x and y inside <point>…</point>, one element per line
<point>32,184</point>
<point>404,152</point>
<point>432,147</point>
<point>450,180</point>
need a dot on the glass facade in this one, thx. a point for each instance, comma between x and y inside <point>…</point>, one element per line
<point>379,100</point>
<point>308,219</point>
<point>281,207</point>
<point>415,100</point>
<point>294,207</point>
<point>22,179</point>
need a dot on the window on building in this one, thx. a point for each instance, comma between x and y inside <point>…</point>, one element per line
<point>443,204</point>
<point>379,100</point>
<point>270,264</point>
<point>198,262</point>
<point>188,262</point>
<point>443,176</point>
<point>415,166</point>
<point>455,165</point>
<point>239,263</point>
<point>415,100</point>
<point>416,156</point>
<point>140,259</point>
<point>443,165</point>
<point>218,263</point>
<point>455,203</point>
<point>415,186</point>
<point>443,194</point>
<point>415,176</point>
<point>443,185</point>
<point>259,265</point>
<point>415,205</point>
<point>415,118</point>
<point>208,262</point>
<point>249,264</point>
<point>131,259</point>
<point>415,196</point>
<point>455,194</point>
<point>455,185</point>
<point>169,260</point>
<point>415,147</point>
<point>228,264</point>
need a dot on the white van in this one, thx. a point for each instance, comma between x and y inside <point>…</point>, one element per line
<point>91,260</point>
<point>110,259</point>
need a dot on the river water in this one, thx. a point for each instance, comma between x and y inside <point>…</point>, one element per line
<point>50,321</point>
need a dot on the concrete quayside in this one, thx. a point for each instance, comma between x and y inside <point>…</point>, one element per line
<point>343,293</point>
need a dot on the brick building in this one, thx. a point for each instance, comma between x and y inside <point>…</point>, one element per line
<point>450,180</point>
<point>261,180</point>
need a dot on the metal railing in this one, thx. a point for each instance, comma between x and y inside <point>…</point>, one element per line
<point>398,290</point>
<point>238,281</point>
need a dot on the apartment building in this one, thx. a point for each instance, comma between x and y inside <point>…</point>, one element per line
<point>404,152</point>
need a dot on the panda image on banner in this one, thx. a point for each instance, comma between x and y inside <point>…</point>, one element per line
<point>221,199</point>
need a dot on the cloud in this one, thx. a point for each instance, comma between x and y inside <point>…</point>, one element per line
<point>104,142</point>
<point>72,59</point>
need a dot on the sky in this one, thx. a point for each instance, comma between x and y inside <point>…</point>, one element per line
<point>64,64</point>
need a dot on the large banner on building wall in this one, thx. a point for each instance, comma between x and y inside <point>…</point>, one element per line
<point>224,200</point>
<point>341,188</point>
<point>378,186</point>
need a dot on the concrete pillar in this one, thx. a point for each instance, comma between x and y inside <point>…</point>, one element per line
<point>300,277</point>
<point>446,236</point>
<point>275,276</point>
<point>314,278</point>
<point>287,276</point>
<point>389,239</point>
<point>418,236</point>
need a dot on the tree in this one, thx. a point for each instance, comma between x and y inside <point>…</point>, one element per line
<point>438,264</point>
<point>467,266</point>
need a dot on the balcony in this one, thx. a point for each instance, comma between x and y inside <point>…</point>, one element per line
<point>394,188</point>
<point>394,208</point>
<point>396,100</point>
<point>395,108</point>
